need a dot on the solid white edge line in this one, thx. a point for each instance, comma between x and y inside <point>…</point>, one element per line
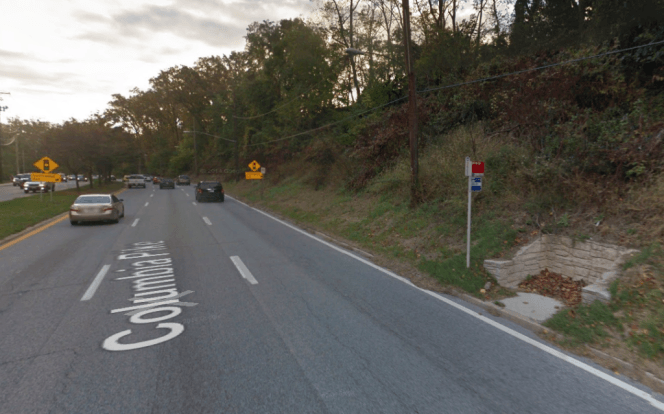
<point>621,384</point>
<point>207,221</point>
<point>243,270</point>
<point>134,223</point>
<point>340,250</point>
<point>95,283</point>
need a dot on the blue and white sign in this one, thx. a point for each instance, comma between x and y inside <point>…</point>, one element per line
<point>476,184</point>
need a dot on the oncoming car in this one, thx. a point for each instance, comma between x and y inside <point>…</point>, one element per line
<point>209,191</point>
<point>96,207</point>
<point>41,186</point>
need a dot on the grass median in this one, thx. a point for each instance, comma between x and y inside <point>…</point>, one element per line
<point>21,213</point>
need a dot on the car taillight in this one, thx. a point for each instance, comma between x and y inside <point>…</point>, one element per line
<point>73,209</point>
<point>222,191</point>
<point>107,208</point>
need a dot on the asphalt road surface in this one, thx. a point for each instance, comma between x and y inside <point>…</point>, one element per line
<point>189,307</point>
<point>9,192</point>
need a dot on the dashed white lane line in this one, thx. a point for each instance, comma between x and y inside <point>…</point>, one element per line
<point>146,204</point>
<point>186,194</point>
<point>551,351</point>
<point>207,221</point>
<point>243,270</point>
<point>193,202</point>
<point>95,283</point>
<point>134,223</point>
<point>152,195</point>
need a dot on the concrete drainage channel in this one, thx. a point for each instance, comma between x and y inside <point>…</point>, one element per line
<point>598,264</point>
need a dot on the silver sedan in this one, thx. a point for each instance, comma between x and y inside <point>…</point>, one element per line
<point>96,207</point>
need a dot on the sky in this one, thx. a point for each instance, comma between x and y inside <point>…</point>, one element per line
<point>63,59</point>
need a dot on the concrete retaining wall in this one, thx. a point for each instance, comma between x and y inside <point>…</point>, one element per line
<point>598,264</point>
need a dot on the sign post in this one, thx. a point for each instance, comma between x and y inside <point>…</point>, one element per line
<point>474,172</point>
<point>46,165</point>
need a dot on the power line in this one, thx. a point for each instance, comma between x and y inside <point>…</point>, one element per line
<point>331,124</point>
<point>285,103</point>
<point>463,84</point>
<point>540,67</point>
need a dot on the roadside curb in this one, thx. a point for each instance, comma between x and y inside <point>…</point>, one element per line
<point>607,361</point>
<point>39,225</point>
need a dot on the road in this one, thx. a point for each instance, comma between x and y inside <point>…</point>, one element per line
<point>257,316</point>
<point>9,192</point>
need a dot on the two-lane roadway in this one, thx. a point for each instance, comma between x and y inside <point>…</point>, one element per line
<point>187,307</point>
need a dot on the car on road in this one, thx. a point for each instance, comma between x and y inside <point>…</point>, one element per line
<point>166,183</point>
<point>96,207</point>
<point>156,180</point>
<point>183,180</point>
<point>63,177</point>
<point>71,177</point>
<point>135,180</point>
<point>148,179</point>
<point>209,191</point>
<point>41,186</point>
<point>20,179</point>
<point>81,177</point>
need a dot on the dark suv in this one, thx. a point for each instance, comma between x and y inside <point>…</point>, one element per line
<point>183,180</point>
<point>209,191</point>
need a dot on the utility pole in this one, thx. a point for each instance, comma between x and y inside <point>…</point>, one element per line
<point>2,108</point>
<point>237,156</point>
<point>17,170</point>
<point>412,108</point>
<point>195,149</point>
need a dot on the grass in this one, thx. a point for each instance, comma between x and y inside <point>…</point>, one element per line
<point>21,213</point>
<point>488,239</point>
<point>585,324</point>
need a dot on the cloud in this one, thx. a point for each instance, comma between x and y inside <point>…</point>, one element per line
<point>8,54</point>
<point>151,19</point>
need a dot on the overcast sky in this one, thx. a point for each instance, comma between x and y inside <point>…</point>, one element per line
<point>65,58</point>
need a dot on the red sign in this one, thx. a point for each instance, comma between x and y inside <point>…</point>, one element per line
<point>477,167</point>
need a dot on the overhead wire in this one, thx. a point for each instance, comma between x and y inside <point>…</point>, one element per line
<point>286,103</point>
<point>463,84</point>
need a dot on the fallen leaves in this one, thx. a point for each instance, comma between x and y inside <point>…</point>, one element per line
<point>555,286</point>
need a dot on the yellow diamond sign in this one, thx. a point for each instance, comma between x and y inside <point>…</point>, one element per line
<point>46,165</point>
<point>254,166</point>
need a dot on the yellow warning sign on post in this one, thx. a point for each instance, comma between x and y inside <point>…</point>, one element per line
<point>253,175</point>
<point>254,166</point>
<point>46,165</point>
<point>48,178</point>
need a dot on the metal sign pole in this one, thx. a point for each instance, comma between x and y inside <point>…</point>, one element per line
<point>468,236</point>
<point>469,175</point>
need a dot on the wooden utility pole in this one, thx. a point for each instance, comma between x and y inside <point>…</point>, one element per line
<point>2,108</point>
<point>237,140</point>
<point>412,108</point>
